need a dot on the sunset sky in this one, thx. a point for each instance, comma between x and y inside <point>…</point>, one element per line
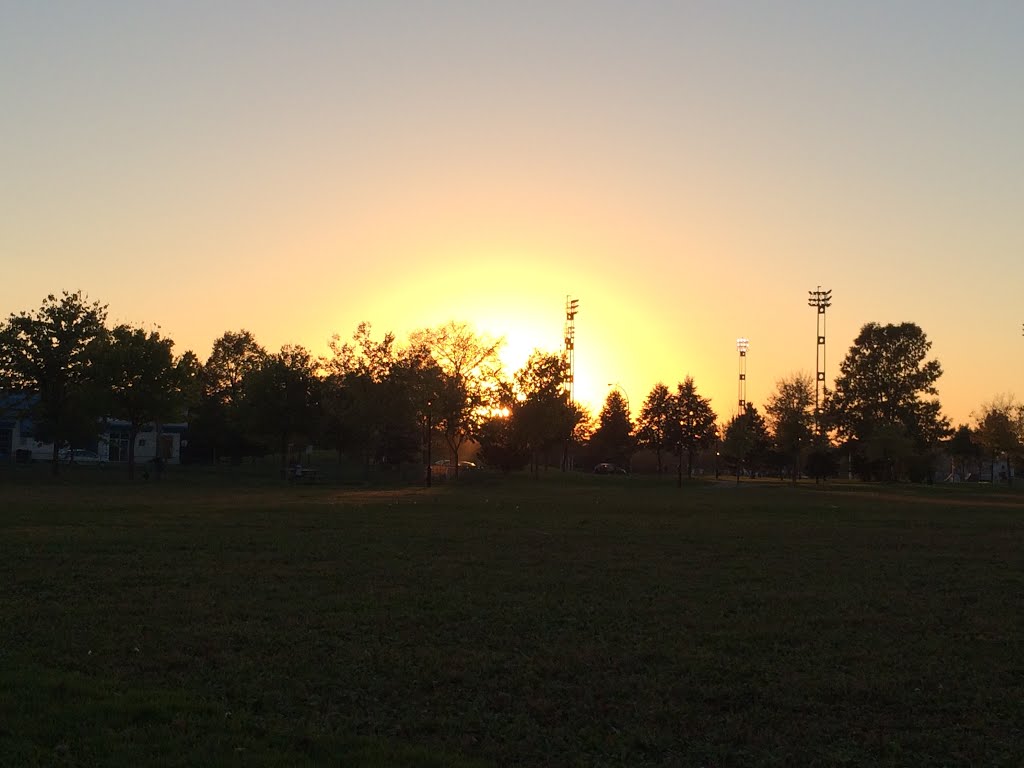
<point>687,170</point>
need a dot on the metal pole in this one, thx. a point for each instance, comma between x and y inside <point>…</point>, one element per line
<point>430,467</point>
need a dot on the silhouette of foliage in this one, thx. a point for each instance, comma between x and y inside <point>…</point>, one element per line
<point>653,425</point>
<point>51,353</point>
<point>692,422</point>
<point>1001,432</point>
<point>790,415</point>
<point>468,385</point>
<point>281,397</point>
<point>144,382</point>
<point>746,441</point>
<point>885,400</point>
<point>612,440</point>
<point>222,426</point>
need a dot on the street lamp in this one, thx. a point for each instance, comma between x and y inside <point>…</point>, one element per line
<point>430,468</point>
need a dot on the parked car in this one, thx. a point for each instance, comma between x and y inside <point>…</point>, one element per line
<point>607,468</point>
<point>81,456</point>
<point>462,464</point>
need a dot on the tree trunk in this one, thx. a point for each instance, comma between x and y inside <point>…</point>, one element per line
<point>55,461</point>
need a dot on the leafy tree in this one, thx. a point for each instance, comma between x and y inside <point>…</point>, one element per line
<point>885,399</point>
<point>145,383</point>
<point>1001,431</point>
<point>963,448</point>
<point>541,414</point>
<point>612,440</point>
<point>282,396</point>
<point>692,423</point>
<point>654,423</point>
<point>470,372</point>
<point>790,412</point>
<point>50,353</point>
<point>746,440</point>
<point>221,422</point>
<point>356,403</point>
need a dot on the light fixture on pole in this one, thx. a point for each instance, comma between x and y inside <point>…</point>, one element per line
<point>572,306</point>
<point>429,436</point>
<point>742,345</point>
<point>822,300</point>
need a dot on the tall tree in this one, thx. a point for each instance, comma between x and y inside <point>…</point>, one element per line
<point>790,412</point>
<point>50,354</point>
<point>885,398</point>
<point>357,404</point>
<point>282,397</point>
<point>221,422</point>
<point>470,373</point>
<point>144,382</point>
<point>541,412</point>
<point>1001,431</point>
<point>612,440</point>
<point>746,440</point>
<point>692,425</point>
<point>654,423</point>
<point>964,448</point>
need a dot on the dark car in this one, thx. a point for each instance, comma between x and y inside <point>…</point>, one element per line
<point>607,468</point>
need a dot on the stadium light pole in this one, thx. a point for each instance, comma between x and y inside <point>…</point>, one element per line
<point>742,345</point>
<point>822,300</point>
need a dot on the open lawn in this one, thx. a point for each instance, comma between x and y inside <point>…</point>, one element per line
<point>600,621</point>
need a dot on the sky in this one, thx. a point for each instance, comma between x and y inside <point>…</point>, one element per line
<point>687,170</point>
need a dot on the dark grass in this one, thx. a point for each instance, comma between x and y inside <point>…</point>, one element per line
<point>598,621</point>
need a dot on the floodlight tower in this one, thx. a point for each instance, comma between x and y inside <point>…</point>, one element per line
<point>742,345</point>
<point>571,308</point>
<point>822,300</point>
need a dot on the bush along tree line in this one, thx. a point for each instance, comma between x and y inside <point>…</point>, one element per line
<point>380,403</point>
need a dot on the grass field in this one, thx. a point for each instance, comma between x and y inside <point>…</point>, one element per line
<point>593,622</point>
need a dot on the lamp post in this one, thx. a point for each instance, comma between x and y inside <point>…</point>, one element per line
<point>430,468</point>
<point>679,464</point>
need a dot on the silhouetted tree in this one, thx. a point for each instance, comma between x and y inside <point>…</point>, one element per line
<point>282,395</point>
<point>356,403</point>
<point>144,382</point>
<point>50,354</point>
<point>963,448</point>
<point>1001,431</point>
<point>692,422</point>
<point>541,414</point>
<point>470,372</point>
<point>612,440</point>
<point>746,440</point>
<point>790,413</point>
<point>885,397</point>
<point>221,423</point>
<point>655,421</point>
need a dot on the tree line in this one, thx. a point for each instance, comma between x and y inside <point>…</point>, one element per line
<point>380,402</point>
